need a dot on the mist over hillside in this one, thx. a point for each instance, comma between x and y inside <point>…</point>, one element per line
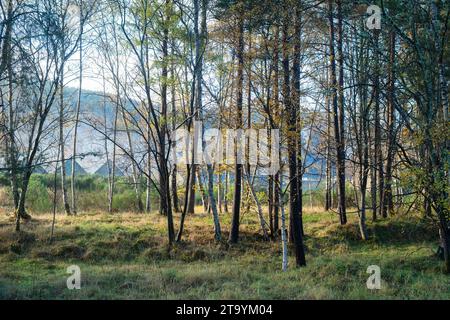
<point>96,122</point>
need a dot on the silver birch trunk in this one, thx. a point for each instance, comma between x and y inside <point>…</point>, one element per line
<point>77,117</point>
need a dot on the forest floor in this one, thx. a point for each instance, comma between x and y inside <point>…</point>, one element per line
<point>125,256</point>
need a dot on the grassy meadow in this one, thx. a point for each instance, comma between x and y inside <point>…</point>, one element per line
<point>126,256</point>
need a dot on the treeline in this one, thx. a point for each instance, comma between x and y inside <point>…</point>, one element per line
<point>361,86</point>
<point>92,194</point>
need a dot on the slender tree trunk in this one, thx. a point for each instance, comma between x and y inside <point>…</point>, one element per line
<point>108,161</point>
<point>249,117</point>
<point>167,203</point>
<point>190,180</point>
<point>234,233</point>
<point>11,138</point>
<point>364,162</point>
<point>387,204</point>
<point>292,136</point>
<point>213,206</point>
<point>135,174</point>
<point>262,221</point>
<point>373,177</point>
<point>55,183</point>
<point>378,149</point>
<point>341,128</point>
<point>296,106</point>
<point>219,191</point>
<point>21,211</point>
<point>277,203</point>
<point>192,169</point>
<point>338,102</point>
<point>115,67</point>
<point>442,211</point>
<point>328,184</point>
<point>176,205</point>
<point>6,49</point>
<point>113,162</point>
<point>287,99</point>
<point>28,168</point>
<point>190,190</point>
<point>163,118</point>
<point>276,178</point>
<point>445,240</point>
<point>270,197</point>
<point>77,117</point>
<point>164,175</point>
<point>441,66</point>
<point>225,193</point>
<point>61,140</point>
<point>202,189</point>
<point>148,192</point>
<point>148,203</point>
<point>191,186</point>
<point>362,214</point>
<point>284,241</point>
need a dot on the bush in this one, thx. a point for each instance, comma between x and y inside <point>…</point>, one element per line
<point>125,201</point>
<point>4,181</point>
<point>38,197</point>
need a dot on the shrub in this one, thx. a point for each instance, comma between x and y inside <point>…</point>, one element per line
<point>38,197</point>
<point>125,201</point>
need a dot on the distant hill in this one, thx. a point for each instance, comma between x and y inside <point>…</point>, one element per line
<point>79,171</point>
<point>104,172</point>
<point>95,109</point>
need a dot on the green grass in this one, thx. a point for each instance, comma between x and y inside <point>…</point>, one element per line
<point>125,256</point>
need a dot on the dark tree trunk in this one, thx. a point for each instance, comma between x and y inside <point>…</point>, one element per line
<point>21,210</point>
<point>294,200</point>
<point>234,233</point>
<point>225,192</point>
<point>270,204</point>
<point>190,178</point>
<point>387,203</point>
<point>164,179</point>
<point>276,177</point>
<point>10,135</point>
<point>377,137</point>
<point>167,203</point>
<point>288,106</point>
<point>328,186</point>
<point>338,116</point>
<point>191,186</point>
<point>445,241</point>
<point>373,177</point>
<point>276,208</point>
<point>62,139</point>
<point>176,204</point>
<point>296,106</point>
<point>163,121</point>
<point>341,145</point>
